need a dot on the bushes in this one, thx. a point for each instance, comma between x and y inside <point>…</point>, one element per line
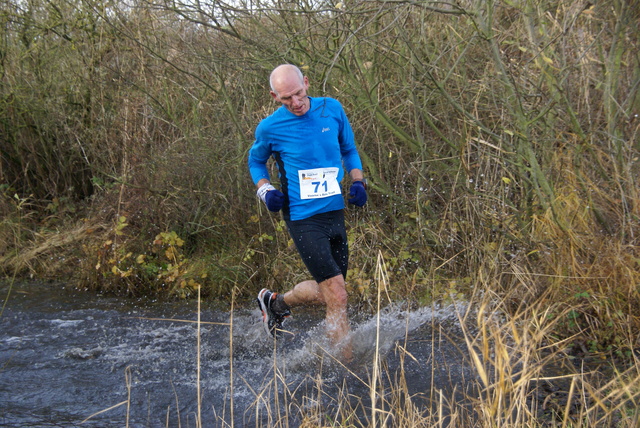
<point>491,133</point>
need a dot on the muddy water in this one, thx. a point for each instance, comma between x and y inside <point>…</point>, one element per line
<point>66,357</point>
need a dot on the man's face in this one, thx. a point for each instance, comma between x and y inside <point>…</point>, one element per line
<point>292,93</point>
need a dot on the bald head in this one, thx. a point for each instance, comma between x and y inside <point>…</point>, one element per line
<point>289,87</point>
<point>284,73</point>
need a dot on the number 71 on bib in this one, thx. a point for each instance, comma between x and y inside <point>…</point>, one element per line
<point>318,183</point>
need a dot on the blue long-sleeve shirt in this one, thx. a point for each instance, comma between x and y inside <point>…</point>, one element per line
<point>310,151</point>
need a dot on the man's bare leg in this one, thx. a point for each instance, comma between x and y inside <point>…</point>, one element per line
<point>333,294</point>
<point>304,293</point>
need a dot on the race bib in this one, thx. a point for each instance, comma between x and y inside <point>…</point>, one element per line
<point>318,183</point>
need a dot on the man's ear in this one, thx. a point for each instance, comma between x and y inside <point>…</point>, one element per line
<point>274,95</point>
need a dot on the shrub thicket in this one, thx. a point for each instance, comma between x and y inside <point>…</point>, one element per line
<point>499,138</point>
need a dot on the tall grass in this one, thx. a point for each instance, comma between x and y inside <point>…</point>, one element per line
<point>520,374</point>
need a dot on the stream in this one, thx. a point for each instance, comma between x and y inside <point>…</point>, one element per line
<point>70,358</point>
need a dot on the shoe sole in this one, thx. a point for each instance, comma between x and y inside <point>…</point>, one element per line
<point>265,312</point>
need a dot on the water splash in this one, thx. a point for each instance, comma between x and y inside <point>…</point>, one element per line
<point>64,358</point>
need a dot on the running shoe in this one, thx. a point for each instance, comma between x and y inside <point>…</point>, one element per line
<point>271,320</point>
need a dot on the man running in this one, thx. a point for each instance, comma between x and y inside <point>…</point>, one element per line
<point>313,144</point>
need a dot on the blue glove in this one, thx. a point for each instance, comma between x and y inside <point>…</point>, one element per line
<point>274,200</point>
<point>359,194</point>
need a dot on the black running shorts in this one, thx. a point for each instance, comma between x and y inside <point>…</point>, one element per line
<point>321,241</point>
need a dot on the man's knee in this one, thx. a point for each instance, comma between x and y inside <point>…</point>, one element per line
<point>334,291</point>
